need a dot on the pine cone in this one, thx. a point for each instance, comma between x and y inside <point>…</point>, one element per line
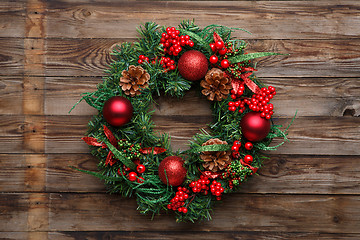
<point>216,85</point>
<point>215,161</point>
<point>133,80</point>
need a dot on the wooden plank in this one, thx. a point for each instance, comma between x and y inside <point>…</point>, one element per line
<point>12,18</point>
<point>309,96</point>
<point>283,174</point>
<point>288,213</point>
<point>22,172</point>
<point>265,19</point>
<point>23,212</point>
<point>308,135</point>
<point>11,89</point>
<point>22,135</point>
<point>11,55</point>
<point>307,58</point>
<point>189,235</point>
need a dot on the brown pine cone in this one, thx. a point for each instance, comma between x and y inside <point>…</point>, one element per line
<point>133,80</point>
<point>215,161</point>
<point>216,85</point>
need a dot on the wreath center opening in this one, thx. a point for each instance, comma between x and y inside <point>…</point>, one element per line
<point>182,118</point>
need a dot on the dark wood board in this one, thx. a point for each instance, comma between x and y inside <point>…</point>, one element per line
<point>52,51</point>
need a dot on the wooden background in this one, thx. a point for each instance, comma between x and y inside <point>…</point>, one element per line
<point>51,51</point>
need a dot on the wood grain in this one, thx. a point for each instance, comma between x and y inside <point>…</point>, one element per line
<point>332,58</point>
<point>308,135</point>
<point>12,18</point>
<point>281,174</point>
<point>11,55</point>
<point>265,19</point>
<point>320,213</point>
<point>309,96</point>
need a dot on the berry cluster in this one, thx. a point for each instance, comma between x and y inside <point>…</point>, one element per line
<point>178,202</point>
<point>167,63</point>
<point>216,189</point>
<point>257,103</point>
<point>133,176</point>
<point>200,185</point>
<point>235,149</point>
<point>173,43</point>
<point>218,47</point>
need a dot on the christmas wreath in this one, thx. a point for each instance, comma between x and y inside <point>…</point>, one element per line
<point>135,161</point>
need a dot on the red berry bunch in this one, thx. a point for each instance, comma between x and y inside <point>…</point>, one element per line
<point>173,43</point>
<point>257,103</point>
<point>167,63</point>
<point>216,189</point>
<point>218,47</point>
<point>200,185</point>
<point>133,176</point>
<point>178,201</point>
<point>143,59</point>
<point>235,149</point>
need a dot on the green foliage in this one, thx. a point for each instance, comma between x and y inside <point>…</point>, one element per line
<point>151,194</point>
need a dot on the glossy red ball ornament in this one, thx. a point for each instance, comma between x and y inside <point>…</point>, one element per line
<point>253,127</point>
<point>117,111</point>
<point>193,65</point>
<point>175,171</point>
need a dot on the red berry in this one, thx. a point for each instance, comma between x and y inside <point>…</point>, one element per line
<point>213,59</point>
<point>212,46</point>
<point>140,168</point>
<point>140,61</point>
<point>222,51</point>
<point>225,63</point>
<point>238,143</point>
<point>248,146</point>
<point>184,210</point>
<point>248,159</point>
<point>132,176</point>
<point>191,43</point>
<point>140,180</point>
<point>141,57</point>
<point>219,45</point>
<point>235,148</point>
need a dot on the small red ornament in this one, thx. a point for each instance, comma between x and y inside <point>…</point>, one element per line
<point>140,168</point>
<point>117,111</point>
<point>225,63</point>
<point>253,127</point>
<point>213,59</point>
<point>248,159</point>
<point>132,176</point>
<point>248,146</point>
<point>175,171</point>
<point>193,65</point>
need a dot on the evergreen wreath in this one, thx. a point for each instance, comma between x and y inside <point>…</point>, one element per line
<point>135,161</point>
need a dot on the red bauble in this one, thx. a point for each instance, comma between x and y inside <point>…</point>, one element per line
<point>117,111</point>
<point>193,65</point>
<point>253,127</point>
<point>175,171</point>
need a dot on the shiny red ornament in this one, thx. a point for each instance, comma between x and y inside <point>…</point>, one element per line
<point>253,127</point>
<point>175,171</point>
<point>117,111</point>
<point>132,176</point>
<point>193,65</point>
